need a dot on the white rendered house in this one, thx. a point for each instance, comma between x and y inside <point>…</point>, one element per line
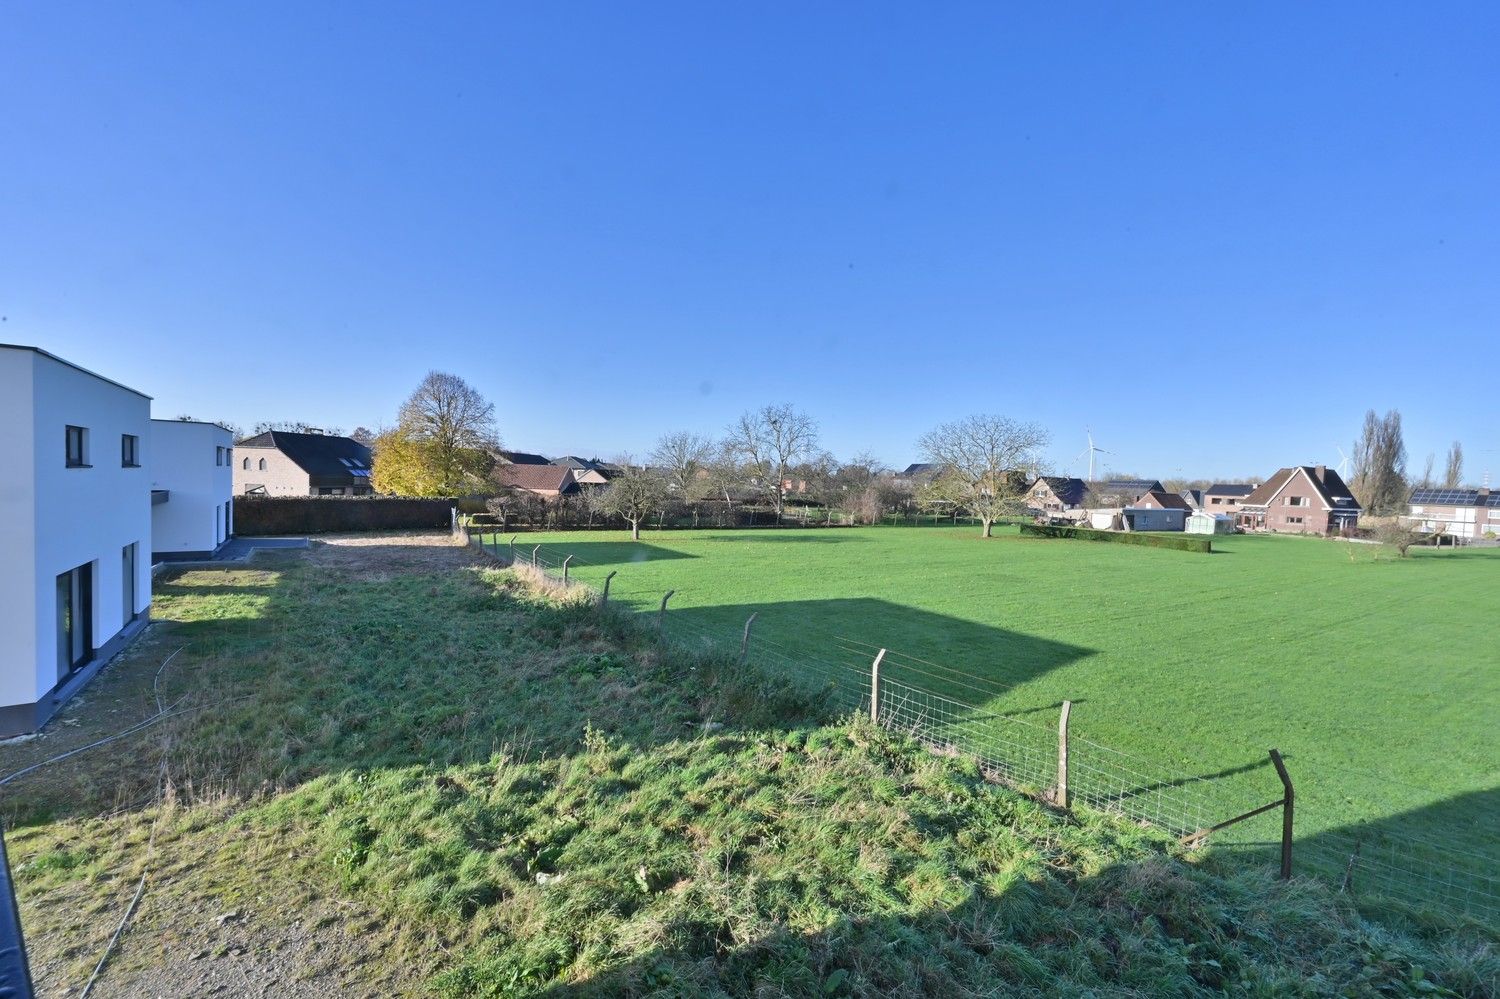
<point>192,489</point>
<point>75,529</point>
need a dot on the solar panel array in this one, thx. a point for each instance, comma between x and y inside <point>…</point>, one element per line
<point>1453,497</point>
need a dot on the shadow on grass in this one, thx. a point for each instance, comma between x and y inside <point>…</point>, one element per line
<point>598,553</point>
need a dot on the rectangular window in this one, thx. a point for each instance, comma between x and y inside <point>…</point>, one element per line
<point>78,447</point>
<point>130,451</point>
<point>1294,520</point>
<point>1296,501</point>
<point>218,456</point>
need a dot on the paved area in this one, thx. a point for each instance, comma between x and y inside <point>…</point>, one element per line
<point>241,548</point>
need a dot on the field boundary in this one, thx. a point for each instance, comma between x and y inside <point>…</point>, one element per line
<point>1063,769</point>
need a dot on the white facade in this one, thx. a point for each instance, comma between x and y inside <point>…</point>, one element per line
<point>75,528</point>
<point>192,480</point>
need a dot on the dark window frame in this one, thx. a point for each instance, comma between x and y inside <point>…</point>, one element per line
<point>130,451</point>
<point>76,457</point>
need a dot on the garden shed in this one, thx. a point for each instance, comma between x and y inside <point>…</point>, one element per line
<point>1148,518</point>
<point>1203,522</point>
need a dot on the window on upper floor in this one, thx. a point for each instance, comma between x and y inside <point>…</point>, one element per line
<point>218,456</point>
<point>263,464</point>
<point>78,447</point>
<point>1296,501</point>
<point>245,464</point>
<point>130,451</point>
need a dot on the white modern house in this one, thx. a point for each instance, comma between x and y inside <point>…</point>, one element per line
<point>192,489</point>
<point>75,529</point>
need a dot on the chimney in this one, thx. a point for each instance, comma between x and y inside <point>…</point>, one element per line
<point>1484,494</point>
<point>1321,472</point>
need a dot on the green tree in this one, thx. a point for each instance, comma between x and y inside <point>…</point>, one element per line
<point>443,443</point>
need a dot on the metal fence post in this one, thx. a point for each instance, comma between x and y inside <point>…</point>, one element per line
<point>533,555</point>
<point>1287,802</point>
<point>745,642</point>
<point>1062,754</point>
<point>513,538</point>
<point>604,597</point>
<point>875,687</point>
<point>661,615</point>
<point>565,570</point>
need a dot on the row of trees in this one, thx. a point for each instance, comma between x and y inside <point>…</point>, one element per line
<point>445,443</point>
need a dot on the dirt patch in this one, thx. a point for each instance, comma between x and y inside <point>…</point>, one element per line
<point>399,552</point>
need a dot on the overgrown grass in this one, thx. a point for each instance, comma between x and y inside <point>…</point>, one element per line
<point>533,798</point>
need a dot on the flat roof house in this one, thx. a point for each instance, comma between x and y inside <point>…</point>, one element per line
<point>192,489</point>
<point>75,529</point>
<point>280,463</point>
<point>1303,499</point>
<point>1470,514</point>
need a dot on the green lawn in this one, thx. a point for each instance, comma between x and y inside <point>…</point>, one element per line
<point>1377,678</point>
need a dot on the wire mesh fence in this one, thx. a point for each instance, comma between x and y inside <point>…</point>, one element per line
<point>952,711</point>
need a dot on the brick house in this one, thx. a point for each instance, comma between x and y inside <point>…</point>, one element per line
<point>1303,499</point>
<point>280,463</point>
<point>1162,500</point>
<point>1056,494</point>
<point>549,482</point>
<point>1467,514</point>
<point>1225,497</point>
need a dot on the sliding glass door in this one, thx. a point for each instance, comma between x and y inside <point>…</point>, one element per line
<point>75,616</point>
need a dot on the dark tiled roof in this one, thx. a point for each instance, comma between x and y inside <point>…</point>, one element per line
<point>1455,497</point>
<point>920,468</point>
<point>1166,500</point>
<point>1069,492</point>
<point>536,478</point>
<point>573,461</point>
<point>1194,497</point>
<point>1332,491</point>
<point>1229,489</point>
<point>522,458</point>
<point>1138,486</point>
<point>317,454</point>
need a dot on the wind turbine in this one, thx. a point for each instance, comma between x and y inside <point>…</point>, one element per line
<point>1091,450</point>
<point>1343,465</point>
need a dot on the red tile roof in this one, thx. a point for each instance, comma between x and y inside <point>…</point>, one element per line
<point>552,479</point>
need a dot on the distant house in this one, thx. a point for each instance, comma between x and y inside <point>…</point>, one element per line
<point>1225,497</point>
<point>550,482</point>
<point>588,471</point>
<point>1056,494</point>
<point>1121,492</point>
<point>280,463</point>
<point>1194,497</point>
<point>1162,500</point>
<point>520,458</point>
<point>1461,513</point>
<point>1303,499</point>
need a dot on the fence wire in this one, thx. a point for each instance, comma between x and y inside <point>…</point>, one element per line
<point>1367,862</point>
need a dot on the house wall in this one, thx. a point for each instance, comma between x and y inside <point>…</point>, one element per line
<point>198,515</point>
<point>76,516</point>
<point>1145,518</point>
<point>1216,503</point>
<point>18,535</point>
<point>1468,522</point>
<point>281,477</point>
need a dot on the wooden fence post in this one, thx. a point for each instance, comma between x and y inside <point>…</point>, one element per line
<point>875,687</point>
<point>565,570</point>
<point>745,642</point>
<point>661,615</point>
<point>1062,755</point>
<point>1286,815</point>
<point>604,597</point>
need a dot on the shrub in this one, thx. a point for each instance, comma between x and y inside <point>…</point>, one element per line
<point>321,514</point>
<point>1176,542</point>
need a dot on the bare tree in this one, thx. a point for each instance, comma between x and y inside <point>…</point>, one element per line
<point>1453,476</point>
<point>1379,479</point>
<point>983,459</point>
<point>635,494</point>
<point>1402,533</point>
<point>1426,480</point>
<point>771,440</point>
<point>455,426</point>
<point>681,456</point>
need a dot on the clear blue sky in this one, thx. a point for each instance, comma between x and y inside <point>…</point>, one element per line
<point>1215,234</point>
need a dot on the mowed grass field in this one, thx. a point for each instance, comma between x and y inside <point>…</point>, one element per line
<point>1377,678</point>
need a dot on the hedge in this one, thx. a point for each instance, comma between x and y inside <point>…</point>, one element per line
<point>1176,542</point>
<point>319,514</point>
